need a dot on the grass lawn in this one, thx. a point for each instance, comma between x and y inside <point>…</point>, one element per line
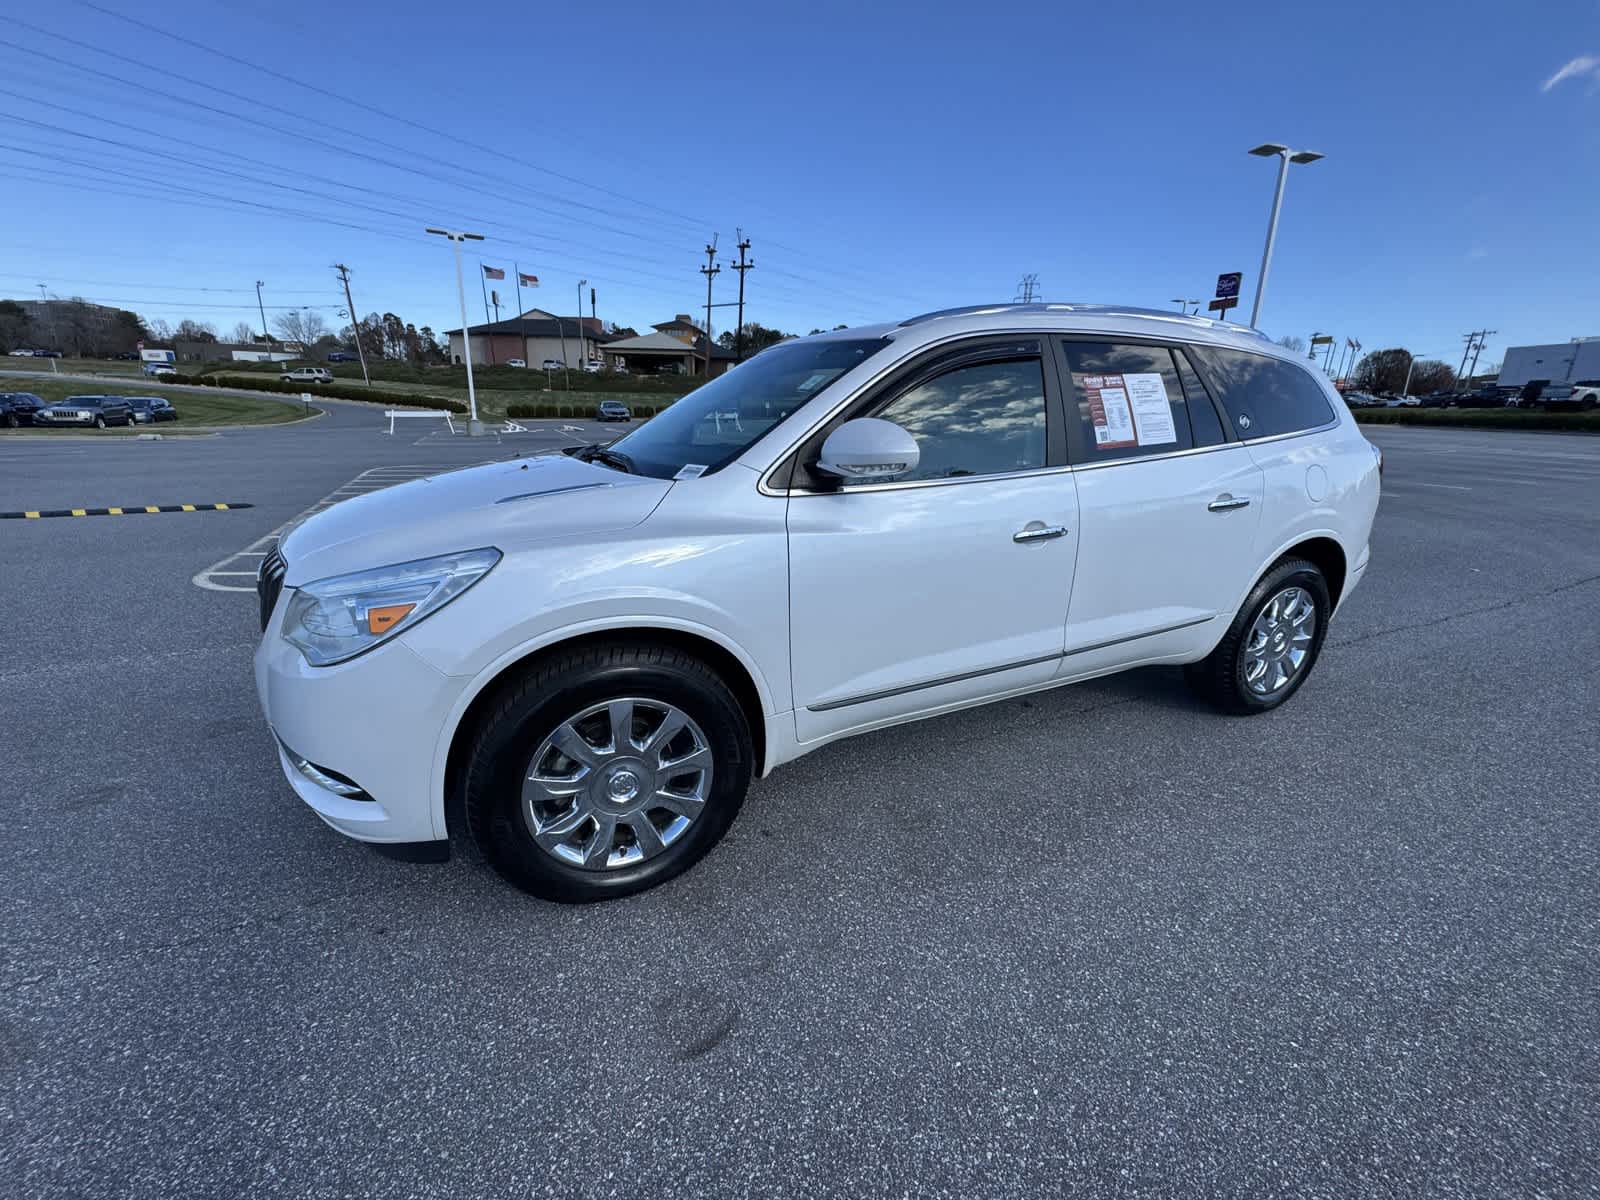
<point>74,366</point>
<point>194,408</point>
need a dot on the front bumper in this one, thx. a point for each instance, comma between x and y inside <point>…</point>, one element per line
<point>376,720</point>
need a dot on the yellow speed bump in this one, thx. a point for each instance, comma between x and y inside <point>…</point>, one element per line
<point>126,510</point>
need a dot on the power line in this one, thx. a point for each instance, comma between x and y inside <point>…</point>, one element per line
<point>1028,289</point>
<point>742,267</point>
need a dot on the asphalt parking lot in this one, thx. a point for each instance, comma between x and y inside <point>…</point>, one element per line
<point>1100,941</point>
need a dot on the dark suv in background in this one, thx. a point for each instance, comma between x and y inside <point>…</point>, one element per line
<point>17,408</point>
<point>98,411</point>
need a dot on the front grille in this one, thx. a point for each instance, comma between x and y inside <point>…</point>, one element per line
<point>269,582</point>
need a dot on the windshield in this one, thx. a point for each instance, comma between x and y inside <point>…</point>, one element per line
<point>714,424</point>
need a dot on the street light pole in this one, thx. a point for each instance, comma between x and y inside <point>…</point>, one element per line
<point>474,426</point>
<point>583,359</point>
<point>1285,157</point>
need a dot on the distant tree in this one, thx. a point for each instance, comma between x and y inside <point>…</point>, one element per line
<point>1382,370</point>
<point>301,325</point>
<point>1293,342</point>
<point>622,331</point>
<point>757,337</point>
<point>160,330</point>
<point>194,331</point>
<point>16,327</point>
<point>841,327</point>
<point>1431,375</point>
<point>431,351</point>
<point>243,333</point>
<point>814,332</point>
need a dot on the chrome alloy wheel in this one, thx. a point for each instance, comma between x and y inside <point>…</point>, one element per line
<point>1280,641</point>
<point>617,783</point>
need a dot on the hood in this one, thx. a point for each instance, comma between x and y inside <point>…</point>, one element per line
<point>506,505</point>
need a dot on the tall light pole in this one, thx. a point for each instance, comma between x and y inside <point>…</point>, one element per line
<point>474,426</point>
<point>1285,157</point>
<point>261,308</point>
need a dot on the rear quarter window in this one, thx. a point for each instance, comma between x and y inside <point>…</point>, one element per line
<point>1264,397</point>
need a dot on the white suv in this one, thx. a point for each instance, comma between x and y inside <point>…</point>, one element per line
<point>586,657</point>
<point>307,375</point>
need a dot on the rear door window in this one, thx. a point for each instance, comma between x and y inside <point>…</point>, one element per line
<point>1126,401</point>
<point>1264,397</point>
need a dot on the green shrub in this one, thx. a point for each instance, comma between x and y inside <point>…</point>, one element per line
<point>338,390</point>
<point>1480,418</point>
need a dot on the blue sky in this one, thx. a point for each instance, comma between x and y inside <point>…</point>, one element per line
<point>883,161</point>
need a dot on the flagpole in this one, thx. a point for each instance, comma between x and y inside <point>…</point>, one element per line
<point>484,288</point>
<point>522,313</point>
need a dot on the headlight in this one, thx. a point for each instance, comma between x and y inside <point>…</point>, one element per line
<point>338,618</point>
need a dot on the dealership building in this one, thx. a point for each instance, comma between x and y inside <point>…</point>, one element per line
<point>1559,362</point>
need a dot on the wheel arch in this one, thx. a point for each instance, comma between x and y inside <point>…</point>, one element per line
<point>736,668</point>
<point>1327,554</point>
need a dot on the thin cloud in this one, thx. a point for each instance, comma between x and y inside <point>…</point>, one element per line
<point>1584,64</point>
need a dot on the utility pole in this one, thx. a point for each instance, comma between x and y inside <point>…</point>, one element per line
<point>742,266</point>
<point>583,359</point>
<point>1474,347</point>
<point>265,336</point>
<point>1027,289</point>
<point>710,271</point>
<point>474,426</point>
<point>355,325</point>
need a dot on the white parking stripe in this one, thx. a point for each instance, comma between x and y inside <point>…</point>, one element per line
<point>371,480</point>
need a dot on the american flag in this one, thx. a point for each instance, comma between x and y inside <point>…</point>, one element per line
<point>493,273</point>
<point>527,280</point>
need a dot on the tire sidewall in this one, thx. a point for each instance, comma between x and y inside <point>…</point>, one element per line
<point>1296,573</point>
<point>507,746</point>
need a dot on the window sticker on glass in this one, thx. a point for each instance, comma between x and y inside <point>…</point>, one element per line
<point>691,471</point>
<point>1152,409</point>
<point>1109,411</point>
<point>815,380</point>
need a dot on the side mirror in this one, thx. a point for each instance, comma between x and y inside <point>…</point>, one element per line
<point>868,448</point>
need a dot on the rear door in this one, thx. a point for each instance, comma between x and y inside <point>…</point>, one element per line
<point>949,584</point>
<point>1169,505</point>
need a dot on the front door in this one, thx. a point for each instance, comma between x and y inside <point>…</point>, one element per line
<point>949,584</point>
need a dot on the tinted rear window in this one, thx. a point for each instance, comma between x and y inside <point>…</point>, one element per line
<point>1262,396</point>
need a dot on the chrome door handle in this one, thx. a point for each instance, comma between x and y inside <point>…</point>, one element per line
<point>1038,533</point>
<point>1227,502</point>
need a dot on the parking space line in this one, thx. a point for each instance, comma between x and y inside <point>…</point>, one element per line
<point>371,480</point>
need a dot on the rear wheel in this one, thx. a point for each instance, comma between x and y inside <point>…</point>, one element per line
<point>1273,643</point>
<point>607,770</point>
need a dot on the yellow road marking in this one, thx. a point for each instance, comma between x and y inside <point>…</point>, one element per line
<point>151,508</point>
<point>32,516</point>
<point>187,507</point>
<point>79,512</point>
<point>115,512</point>
<point>221,507</point>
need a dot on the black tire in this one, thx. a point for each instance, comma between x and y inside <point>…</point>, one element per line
<point>11,421</point>
<point>99,422</point>
<point>524,713</point>
<point>1219,677</point>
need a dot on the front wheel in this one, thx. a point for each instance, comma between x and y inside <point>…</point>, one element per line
<point>99,422</point>
<point>11,421</point>
<point>1273,643</point>
<point>607,770</point>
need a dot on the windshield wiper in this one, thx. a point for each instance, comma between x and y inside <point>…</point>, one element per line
<point>612,458</point>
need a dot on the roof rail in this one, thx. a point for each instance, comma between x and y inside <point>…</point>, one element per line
<point>1100,310</point>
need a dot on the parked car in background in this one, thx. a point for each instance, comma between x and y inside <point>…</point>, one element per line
<point>47,354</point>
<point>553,364</point>
<point>594,366</point>
<point>586,659</point>
<point>149,409</point>
<point>1403,402</point>
<point>613,410</point>
<point>1587,394</point>
<point>22,354</point>
<point>160,370</point>
<point>95,411</point>
<point>1361,399</point>
<point>307,375</point>
<point>516,362</point>
<point>126,356</point>
<point>17,408</point>
<point>342,356</point>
